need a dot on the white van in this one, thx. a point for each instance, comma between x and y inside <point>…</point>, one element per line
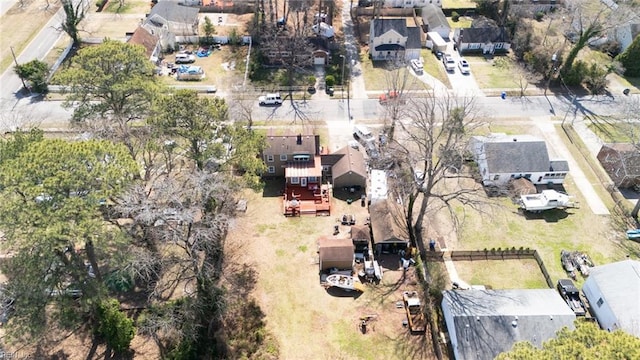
<point>363,134</point>
<point>183,58</point>
<point>270,99</point>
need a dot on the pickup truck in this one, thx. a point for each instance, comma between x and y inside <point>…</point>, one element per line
<point>449,63</point>
<point>415,314</point>
<point>571,295</point>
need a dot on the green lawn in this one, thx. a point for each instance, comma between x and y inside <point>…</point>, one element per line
<point>615,131</point>
<point>549,233</point>
<point>127,7</point>
<point>433,67</point>
<point>502,274</point>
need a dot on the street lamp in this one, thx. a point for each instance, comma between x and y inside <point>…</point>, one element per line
<point>342,78</point>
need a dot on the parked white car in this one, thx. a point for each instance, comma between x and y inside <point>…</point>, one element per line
<point>463,65</point>
<point>449,63</point>
<point>417,66</point>
<point>270,99</point>
<point>184,58</point>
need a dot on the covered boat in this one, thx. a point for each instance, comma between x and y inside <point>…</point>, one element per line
<point>345,282</point>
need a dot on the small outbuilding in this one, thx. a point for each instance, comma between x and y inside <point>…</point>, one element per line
<point>388,227</point>
<point>335,253</point>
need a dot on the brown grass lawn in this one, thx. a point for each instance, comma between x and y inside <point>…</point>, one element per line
<point>308,321</point>
<point>489,75</point>
<point>223,68</point>
<point>20,25</point>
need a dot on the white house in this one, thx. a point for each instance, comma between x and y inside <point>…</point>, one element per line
<point>613,291</point>
<point>434,20</point>
<point>484,40</point>
<point>502,157</point>
<point>410,3</point>
<point>485,323</point>
<point>390,39</point>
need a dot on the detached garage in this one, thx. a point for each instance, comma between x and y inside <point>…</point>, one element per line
<point>335,253</point>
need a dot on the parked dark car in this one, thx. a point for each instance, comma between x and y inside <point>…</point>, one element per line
<point>571,295</point>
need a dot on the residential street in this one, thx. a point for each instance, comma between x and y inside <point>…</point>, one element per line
<point>340,115</point>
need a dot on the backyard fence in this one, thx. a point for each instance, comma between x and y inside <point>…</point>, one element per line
<point>492,254</point>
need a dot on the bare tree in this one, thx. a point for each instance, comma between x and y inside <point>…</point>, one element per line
<point>288,45</point>
<point>431,149</point>
<point>398,81</point>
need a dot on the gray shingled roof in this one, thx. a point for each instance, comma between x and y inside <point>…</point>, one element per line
<point>484,35</point>
<point>413,38</point>
<point>619,283</point>
<point>434,17</point>
<point>173,12</point>
<point>381,26</point>
<point>352,160</point>
<point>288,143</point>
<point>558,165</point>
<point>484,319</point>
<point>511,154</point>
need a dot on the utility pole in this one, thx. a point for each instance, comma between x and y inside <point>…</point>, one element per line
<point>24,85</point>
<point>342,78</point>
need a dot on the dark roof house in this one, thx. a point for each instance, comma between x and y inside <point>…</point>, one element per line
<point>622,162</point>
<point>484,40</point>
<point>350,169</point>
<point>180,20</point>
<point>502,157</point>
<point>485,323</point>
<point>391,39</point>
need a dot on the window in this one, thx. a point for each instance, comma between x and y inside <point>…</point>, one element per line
<point>283,157</point>
<point>499,45</point>
<point>496,177</point>
<point>271,169</point>
<point>295,180</point>
<point>301,157</point>
<point>600,302</point>
<point>269,158</point>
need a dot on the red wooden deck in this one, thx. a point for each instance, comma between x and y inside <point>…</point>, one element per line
<point>305,201</point>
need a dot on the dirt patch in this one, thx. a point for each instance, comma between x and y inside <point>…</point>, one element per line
<point>307,320</point>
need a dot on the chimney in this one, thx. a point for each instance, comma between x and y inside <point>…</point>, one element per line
<point>299,139</point>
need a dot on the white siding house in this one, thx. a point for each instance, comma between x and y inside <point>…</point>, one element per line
<point>613,291</point>
<point>483,40</point>
<point>502,157</point>
<point>390,39</point>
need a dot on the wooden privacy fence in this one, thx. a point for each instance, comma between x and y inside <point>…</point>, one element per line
<point>491,254</point>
